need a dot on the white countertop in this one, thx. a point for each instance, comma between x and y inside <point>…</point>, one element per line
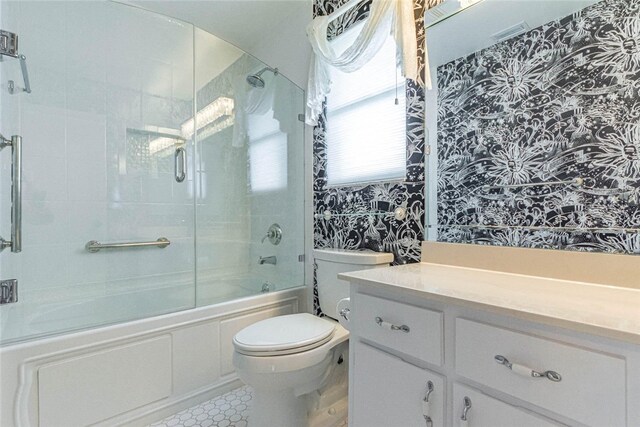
<point>608,311</point>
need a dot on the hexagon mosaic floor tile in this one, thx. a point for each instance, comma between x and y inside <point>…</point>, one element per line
<point>228,410</point>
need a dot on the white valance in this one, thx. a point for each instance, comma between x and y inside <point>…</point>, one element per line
<point>386,17</point>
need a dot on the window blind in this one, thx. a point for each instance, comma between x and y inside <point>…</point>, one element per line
<point>366,130</point>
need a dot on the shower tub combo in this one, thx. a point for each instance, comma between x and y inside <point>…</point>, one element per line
<point>159,209</point>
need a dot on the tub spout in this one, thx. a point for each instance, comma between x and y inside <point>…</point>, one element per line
<point>268,260</point>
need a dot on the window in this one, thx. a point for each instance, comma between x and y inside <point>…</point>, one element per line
<point>366,130</point>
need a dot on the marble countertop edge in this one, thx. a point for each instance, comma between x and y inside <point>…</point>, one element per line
<point>596,309</point>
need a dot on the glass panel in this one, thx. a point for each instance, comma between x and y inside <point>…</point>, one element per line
<point>250,175</point>
<point>112,87</point>
<point>104,129</point>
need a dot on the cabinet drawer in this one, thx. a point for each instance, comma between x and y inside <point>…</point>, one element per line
<point>423,339</point>
<point>388,391</point>
<point>591,389</point>
<point>486,411</point>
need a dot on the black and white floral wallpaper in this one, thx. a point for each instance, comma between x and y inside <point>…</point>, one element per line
<point>557,103</point>
<point>380,233</point>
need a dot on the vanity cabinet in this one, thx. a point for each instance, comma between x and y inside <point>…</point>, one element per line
<point>390,392</point>
<point>509,372</point>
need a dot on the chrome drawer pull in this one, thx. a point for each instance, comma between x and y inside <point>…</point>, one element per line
<point>391,326</point>
<point>464,419</point>
<point>528,372</point>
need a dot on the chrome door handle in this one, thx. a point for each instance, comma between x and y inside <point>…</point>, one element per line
<point>16,193</point>
<point>13,89</point>
<point>391,326</point>
<point>528,372</point>
<point>426,404</point>
<point>464,419</point>
<point>180,164</point>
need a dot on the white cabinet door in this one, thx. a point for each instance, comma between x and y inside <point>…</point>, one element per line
<point>389,392</point>
<point>486,411</point>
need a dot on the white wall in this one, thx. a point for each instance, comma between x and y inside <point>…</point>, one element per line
<point>285,45</point>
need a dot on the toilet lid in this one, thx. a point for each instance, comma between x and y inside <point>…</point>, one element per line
<point>284,333</point>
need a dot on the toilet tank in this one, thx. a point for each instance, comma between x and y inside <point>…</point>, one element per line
<point>331,262</point>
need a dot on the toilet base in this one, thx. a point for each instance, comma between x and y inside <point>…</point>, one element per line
<point>284,409</point>
<point>332,416</point>
<point>278,408</point>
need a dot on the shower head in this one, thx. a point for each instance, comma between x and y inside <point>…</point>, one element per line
<point>255,80</point>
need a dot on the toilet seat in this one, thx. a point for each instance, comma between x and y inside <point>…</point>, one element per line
<point>283,335</point>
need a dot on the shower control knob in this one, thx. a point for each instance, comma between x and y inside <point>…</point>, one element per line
<point>274,234</point>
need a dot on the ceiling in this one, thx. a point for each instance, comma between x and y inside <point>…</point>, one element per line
<point>473,29</point>
<point>243,23</point>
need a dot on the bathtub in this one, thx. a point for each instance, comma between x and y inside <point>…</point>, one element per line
<point>130,373</point>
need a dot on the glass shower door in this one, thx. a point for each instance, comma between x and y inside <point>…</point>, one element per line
<point>250,175</point>
<point>107,159</point>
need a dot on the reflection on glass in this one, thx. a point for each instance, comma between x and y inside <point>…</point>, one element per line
<point>249,177</point>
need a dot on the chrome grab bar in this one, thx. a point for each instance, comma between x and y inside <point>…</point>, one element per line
<point>16,193</point>
<point>180,164</point>
<point>95,246</point>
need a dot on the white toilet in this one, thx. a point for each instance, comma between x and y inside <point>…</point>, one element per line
<point>297,364</point>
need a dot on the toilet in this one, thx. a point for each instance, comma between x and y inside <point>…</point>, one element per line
<point>297,363</point>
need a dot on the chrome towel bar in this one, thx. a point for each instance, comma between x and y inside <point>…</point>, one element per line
<point>578,182</point>
<point>399,214</point>
<point>538,228</point>
<point>95,246</point>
